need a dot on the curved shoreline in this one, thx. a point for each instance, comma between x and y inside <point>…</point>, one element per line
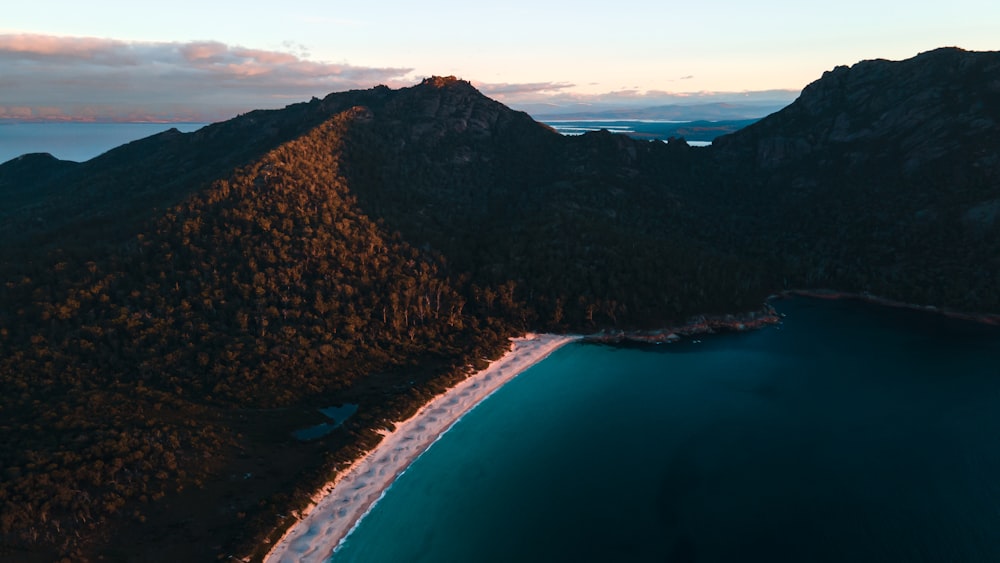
<point>338,507</point>
<point>340,504</point>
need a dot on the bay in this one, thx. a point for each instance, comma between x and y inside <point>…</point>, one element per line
<point>851,432</point>
<point>80,142</point>
<point>696,133</point>
<point>76,141</point>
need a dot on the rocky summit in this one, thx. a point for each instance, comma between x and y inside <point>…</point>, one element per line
<point>917,111</point>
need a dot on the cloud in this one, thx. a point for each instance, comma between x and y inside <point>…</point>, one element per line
<point>108,79</point>
<point>545,97</point>
<point>505,89</point>
<point>95,79</point>
<point>550,104</point>
<point>552,99</point>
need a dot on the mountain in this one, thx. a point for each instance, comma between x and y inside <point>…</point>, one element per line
<point>174,308</point>
<point>885,177</point>
<point>110,196</point>
<point>911,113</point>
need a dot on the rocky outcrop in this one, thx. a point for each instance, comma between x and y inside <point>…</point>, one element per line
<point>883,177</point>
<point>701,324</point>
<point>440,106</point>
<point>916,113</point>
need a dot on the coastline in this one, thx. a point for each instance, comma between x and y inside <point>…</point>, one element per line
<point>337,508</point>
<point>341,503</point>
<point>767,315</point>
<point>700,324</point>
<point>985,318</point>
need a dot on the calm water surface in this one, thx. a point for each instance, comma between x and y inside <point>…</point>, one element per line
<point>76,141</point>
<point>849,433</point>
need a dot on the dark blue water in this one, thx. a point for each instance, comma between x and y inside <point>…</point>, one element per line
<point>76,141</point>
<point>850,433</point>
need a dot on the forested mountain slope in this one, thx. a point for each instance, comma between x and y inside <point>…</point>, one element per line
<point>881,177</point>
<point>173,308</point>
<point>589,231</point>
<point>124,376</point>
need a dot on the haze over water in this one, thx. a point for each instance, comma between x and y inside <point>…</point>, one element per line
<point>82,141</point>
<point>850,433</point>
<point>76,141</point>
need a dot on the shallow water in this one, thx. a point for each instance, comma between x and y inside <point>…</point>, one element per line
<point>851,432</point>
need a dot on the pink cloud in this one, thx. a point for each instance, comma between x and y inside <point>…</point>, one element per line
<point>267,57</point>
<point>505,89</point>
<point>62,49</point>
<point>90,76</point>
<point>203,52</point>
<point>16,112</point>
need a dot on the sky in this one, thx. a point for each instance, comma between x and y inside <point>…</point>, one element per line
<point>207,60</point>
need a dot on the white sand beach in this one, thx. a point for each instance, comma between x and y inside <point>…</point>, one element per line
<point>338,506</point>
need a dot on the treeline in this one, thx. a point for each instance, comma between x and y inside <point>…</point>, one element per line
<point>851,217</point>
<point>592,231</point>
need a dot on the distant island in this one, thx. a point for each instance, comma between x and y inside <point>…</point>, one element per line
<point>174,309</point>
<point>698,132</point>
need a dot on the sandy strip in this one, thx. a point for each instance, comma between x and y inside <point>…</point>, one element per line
<point>338,506</point>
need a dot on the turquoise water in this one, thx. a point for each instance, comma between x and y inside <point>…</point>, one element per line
<point>849,433</point>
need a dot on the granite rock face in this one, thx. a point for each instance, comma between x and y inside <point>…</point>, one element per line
<point>440,106</point>
<point>884,176</point>
<point>919,114</point>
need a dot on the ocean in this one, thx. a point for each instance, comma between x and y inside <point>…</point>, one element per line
<point>76,141</point>
<point>696,133</point>
<point>83,141</point>
<point>851,432</point>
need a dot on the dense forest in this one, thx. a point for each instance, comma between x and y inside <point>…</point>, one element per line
<point>267,289</point>
<point>173,309</point>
